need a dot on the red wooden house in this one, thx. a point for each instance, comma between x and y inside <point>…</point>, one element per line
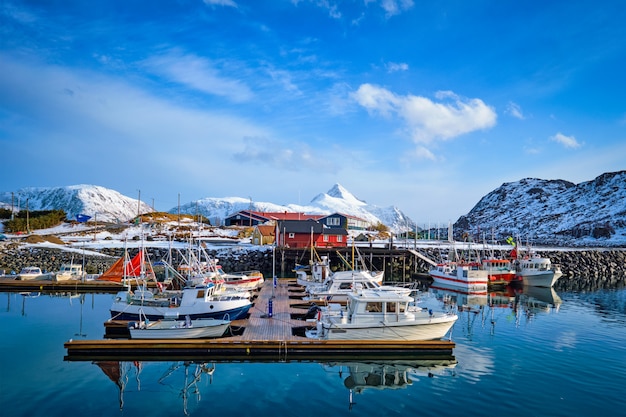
<point>300,233</point>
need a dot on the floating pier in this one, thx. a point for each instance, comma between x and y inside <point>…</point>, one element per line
<point>275,334</point>
<point>49,286</point>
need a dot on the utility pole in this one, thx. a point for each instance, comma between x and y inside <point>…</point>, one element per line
<point>27,218</point>
<point>138,203</point>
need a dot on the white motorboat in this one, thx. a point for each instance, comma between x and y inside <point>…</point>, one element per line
<point>69,272</point>
<point>32,273</point>
<point>247,280</point>
<point>341,283</point>
<point>196,302</point>
<point>537,271</point>
<point>465,275</point>
<point>381,315</point>
<point>175,329</point>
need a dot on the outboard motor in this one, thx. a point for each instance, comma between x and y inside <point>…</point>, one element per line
<point>312,311</point>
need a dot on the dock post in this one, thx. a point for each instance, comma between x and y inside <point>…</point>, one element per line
<point>269,308</point>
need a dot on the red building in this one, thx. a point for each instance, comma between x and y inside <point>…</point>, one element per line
<point>300,233</point>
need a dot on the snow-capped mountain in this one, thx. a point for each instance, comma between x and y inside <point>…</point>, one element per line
<point>552,212</point>
<point>102,203</point>
<point>336,200</point>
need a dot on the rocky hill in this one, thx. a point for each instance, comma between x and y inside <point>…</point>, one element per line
<point>553,212</point>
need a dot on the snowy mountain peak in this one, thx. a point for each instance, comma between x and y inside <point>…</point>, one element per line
<point>338,191</point>
<point>337,195</point>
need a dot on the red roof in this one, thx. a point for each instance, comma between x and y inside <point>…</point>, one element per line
<point>287,215</point>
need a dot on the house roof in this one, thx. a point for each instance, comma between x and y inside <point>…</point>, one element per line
<point>348,216</point>
<point>266,230</point>
<point>305,226</point>
<point>267,215</point>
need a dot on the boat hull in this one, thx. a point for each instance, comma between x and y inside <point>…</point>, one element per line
<point>470,285</point>
<point>469,277</point>
<point>542,279</point>
<point>421,330</point>
<point>169,329</point>
<point>228,310</point>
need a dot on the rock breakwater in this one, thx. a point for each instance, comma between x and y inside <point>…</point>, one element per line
<point>582,269</point>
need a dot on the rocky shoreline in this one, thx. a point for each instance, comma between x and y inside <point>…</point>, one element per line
<point>582,269</point>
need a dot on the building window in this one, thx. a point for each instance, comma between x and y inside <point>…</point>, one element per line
<point>292,235</point>
<point>333,221</point>
<point>325,238</point>
<point>339,238</point>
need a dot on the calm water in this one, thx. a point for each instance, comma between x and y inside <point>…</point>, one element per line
<point>521,358</point>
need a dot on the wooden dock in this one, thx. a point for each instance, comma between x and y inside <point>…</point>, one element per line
<point>261,337</point>
<point>49,286</point>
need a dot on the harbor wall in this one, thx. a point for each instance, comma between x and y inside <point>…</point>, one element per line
<point>598,268</point>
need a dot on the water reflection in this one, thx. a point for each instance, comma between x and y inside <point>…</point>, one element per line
<point>360,376</point>
<point>182,376</point>
<point>25,295</point>
<point>487,307</point>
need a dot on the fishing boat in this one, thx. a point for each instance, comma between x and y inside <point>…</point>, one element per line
<point>178,329</point>
<point>499,270</point>
<point>196,302</point>
<point>469,275</point>
<point>316,272</point>
<point>537,271</point>
<point>381,315</point>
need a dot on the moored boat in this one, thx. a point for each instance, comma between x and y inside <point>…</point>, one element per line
<point>178,329</point>
<point>499,270</point>
<point>466,275</point>
<point>537,271</point>
<point>381,315</point>
<point>196,302</point>
<point>29,273</point>
<point>69,272</point>
<point>341,283</point>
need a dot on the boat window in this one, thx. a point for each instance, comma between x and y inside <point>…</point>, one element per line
<point>391,307</point>
<point>374,307</point>
<point>402,307</point>
<point>200,294</point>
<point>345,286</point>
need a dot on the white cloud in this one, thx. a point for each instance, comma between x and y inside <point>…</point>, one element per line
<point>514,110</point>
<point>394,7</point>
<point>425,119</point>
<point>230,3</point>
<point>567,141</point>
<point>423,153</point>
<point>397,66</point>
<point>292,156</point>
<point>199,74</point>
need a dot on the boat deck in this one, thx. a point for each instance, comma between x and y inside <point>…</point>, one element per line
<point>261,336</point>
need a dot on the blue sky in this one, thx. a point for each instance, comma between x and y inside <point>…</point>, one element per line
<point>425,105</point>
